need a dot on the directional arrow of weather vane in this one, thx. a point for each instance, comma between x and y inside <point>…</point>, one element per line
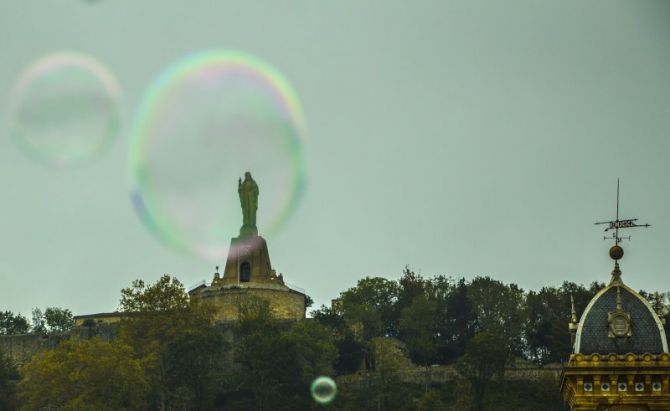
<point>617,224</point>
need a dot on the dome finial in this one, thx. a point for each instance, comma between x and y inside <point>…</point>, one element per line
<point>616,252</point>
<point>616,275</point>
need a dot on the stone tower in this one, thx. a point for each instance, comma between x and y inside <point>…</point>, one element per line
<point>248,272</point>
<point>620,359</point>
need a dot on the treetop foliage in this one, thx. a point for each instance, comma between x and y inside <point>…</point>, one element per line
<point>169,354</point>
<point>53,320</point>
<point>85,375</point>
<point>11,323</point>
<point>437,317</point>
<point>167,294</point>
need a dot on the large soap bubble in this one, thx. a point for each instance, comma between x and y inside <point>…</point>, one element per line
<point>65,109</point>
<point>323,390</point>
<point>203,123</point>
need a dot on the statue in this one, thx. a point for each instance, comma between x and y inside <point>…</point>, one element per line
<point>248,191</point>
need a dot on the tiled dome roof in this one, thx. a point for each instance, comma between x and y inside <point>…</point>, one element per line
<point>594,334</point>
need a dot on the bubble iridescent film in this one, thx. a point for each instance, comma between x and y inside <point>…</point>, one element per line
<point>205,121</point>
<point>65,109</point>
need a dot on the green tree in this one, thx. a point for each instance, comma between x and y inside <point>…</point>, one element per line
<point>351,351</point>
<point>389,360</point>
<point>84,375</point>
<point>660,302</point>
<point>8,374</point>
<point>485,358</point>
<point>265,374</point>
<point>193,363</point>
<point>11,323</point>
<point>417,330</point>
<point>330,318</point>
<point>455,318</point>
<point>314,347</point>
<point>38,323</point>
<point>548,313</point>
<point>350,355</point>
<point>161,325</point>
<point>58,320</point>
<point>372,306</point>
<point>431,400</point>
<point>411,285</point>
<point>499,309</point>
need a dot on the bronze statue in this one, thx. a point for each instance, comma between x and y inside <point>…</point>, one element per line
<point>248,191</point>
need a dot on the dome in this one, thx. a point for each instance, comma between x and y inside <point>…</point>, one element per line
<point>619,320</point>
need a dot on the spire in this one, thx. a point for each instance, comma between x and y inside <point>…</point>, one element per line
<point>616,252</point>
<point>572,325</point>
<point>616,272</point>
<point>618,299</point>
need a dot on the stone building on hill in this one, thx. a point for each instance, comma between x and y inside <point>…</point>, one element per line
<point>248,272</point>
<point>620,359</point>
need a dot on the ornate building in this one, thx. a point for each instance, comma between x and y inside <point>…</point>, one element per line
<point>620,359</point>
<point>248,273</point>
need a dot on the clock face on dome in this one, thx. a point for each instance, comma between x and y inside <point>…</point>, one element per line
<point>619,320</point>
<point>620,326</point>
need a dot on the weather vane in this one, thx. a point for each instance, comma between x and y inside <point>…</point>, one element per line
<point>617,224</point>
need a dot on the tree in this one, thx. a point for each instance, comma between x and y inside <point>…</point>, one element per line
<point>417,330</point>
<point>331,319</point>
<point>371,305</point>
<point>58,320</point>
<point>84,375</point>
<point>38,322</point>
<point>350,355</point>
<point>265,374</point>
<point>53,320</point>
<point>389,359</point>
<point>192,365</point>
<point>660,302</point>
<point>13,324</point>
<point>455,318</point>
<point>161,325</point>
<point>411,285</point>
<point>167,294</point>
<point>308,301</point>
<point>499,309</point>
<point>8,373</point>
<point>431,400</point>
<point>315,350</point>
<point>548,313</point>
<point>485,357</point>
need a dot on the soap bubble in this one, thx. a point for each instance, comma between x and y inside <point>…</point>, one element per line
<point>65,109</point>
<point>203,123</point>
<point>323,390</point>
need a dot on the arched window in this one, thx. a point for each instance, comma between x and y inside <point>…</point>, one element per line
<point>245,272</point>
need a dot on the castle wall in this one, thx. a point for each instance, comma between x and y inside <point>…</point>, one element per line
<point>285,304</point>
<point>444,374</point>
<point>21,348</point>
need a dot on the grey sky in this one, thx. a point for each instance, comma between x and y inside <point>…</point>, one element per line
<point>462,138</point>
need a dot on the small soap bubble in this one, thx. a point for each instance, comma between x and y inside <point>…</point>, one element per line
<point>205,121</point>
<point>323,390</point>
<point>65,109</point>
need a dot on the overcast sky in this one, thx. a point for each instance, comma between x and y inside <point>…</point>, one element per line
<point>460,138</point>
